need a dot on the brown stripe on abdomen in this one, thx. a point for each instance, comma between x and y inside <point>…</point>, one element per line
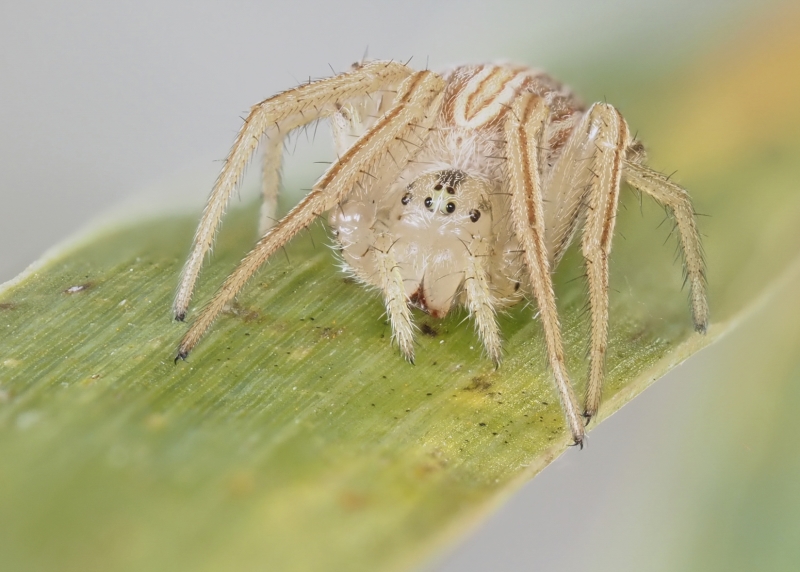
<point>481,95</point>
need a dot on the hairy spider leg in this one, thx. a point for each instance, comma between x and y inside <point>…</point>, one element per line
<point>418,100</point>
<point>524,133</point>
<point>275,117</point>
<point>270,183</point>
<point>609,135</point>
<point>677,200</point>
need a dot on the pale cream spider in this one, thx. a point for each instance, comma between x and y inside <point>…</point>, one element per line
<point>460,188</point>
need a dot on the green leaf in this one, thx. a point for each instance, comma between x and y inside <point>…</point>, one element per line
<point>296,437</point>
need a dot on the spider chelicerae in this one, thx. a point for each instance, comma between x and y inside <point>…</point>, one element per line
<point>460,188</point>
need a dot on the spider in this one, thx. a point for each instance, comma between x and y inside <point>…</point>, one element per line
<point>461,188</point>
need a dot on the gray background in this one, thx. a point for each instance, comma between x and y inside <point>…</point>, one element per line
<point>100,100</point>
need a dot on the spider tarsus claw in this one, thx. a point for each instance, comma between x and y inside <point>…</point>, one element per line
<point>180,316</point>
<point>181,356</point>
<point>409,356</point>
<point>701,328</point>
<point>588,416</point>
<point>577,442</point>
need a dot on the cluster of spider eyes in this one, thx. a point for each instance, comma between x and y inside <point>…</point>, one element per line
<point>449,208</point>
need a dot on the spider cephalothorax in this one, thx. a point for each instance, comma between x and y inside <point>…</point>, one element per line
<point>440,223</point>
<point>457,189</point>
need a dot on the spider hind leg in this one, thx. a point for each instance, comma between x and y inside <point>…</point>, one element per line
<point>677,201</point>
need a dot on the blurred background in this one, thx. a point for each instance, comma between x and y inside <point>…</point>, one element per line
<point>106,103</point>
<point>101,100</point>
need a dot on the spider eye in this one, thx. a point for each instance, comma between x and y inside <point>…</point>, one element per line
<point>451,191</point>
<point>474,215</point>
<point>428,202</point>
<point>438,187</point>
<point>450,207</point>
<point>406,199</point>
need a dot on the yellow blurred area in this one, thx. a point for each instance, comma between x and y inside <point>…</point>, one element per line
<point>736,98</point>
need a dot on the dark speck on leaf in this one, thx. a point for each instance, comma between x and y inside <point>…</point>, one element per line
<point>428,330</point>
<point>478,384</point>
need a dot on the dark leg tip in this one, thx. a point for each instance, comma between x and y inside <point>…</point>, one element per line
<point>180,317</point>
<point>588,416</point>
<point>578,443</point>
<point>181,356</point>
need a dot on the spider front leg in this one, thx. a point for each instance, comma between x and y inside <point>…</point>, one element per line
<point>524,130</point>
<point>416,106</point>
<point>275,117</point>
<point>605,128</point>
<point>598,155</point>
